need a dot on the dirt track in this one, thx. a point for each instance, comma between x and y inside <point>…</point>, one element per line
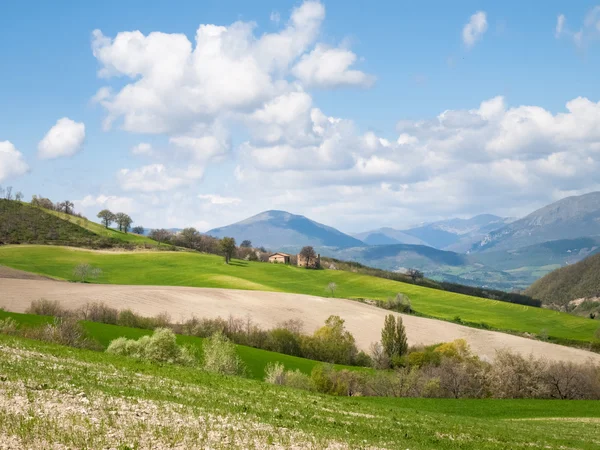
<point>268,309</point>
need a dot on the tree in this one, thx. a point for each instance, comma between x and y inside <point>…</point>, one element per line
<point>124,222</point>
<point>228,248</point>
<point>107,217</point>
<point>331,287</point>
<point>160,235</point>
<point>415,274</point>
<point>331,343</point>
<point>308,253</point>
<point>84,271</point>
<point>67,206</point>
<point>19,196</point>
<point>138,230</point>
<point>393,337</point>
<point>8,191</point>
<point>191,237</point>
<point>246,244</point>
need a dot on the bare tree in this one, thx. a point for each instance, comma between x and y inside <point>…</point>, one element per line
<point>8,195</point>
<point>19,196</point>
<point>415,274</point>
<point>160,235</point>
<point>331,287</point>
<point>107,217</point>
<point>84,272</point>
<point>68,206</point>
<point>308,253</point>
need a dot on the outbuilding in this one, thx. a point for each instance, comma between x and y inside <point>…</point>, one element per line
<point>280,258</point>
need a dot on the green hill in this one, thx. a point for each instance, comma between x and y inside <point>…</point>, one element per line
<point>72,398</point>
<point>22,223</point>
<point>201,270</point>
<point>579,280</point>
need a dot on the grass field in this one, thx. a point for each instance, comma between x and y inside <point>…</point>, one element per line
<point>255,359</point>
<point>199,270</point>
<point>52,395</point>
<point>100,230</point>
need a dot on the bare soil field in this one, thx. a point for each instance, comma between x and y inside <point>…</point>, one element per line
<point>268,309</point>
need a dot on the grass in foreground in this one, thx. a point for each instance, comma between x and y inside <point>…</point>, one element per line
<point>200,270</point>
<point>255,359</point>
<point>52,395</point>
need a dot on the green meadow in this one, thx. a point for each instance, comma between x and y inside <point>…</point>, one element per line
<point>255,359</point>
<point>75,398</point>
<point>201,270</point>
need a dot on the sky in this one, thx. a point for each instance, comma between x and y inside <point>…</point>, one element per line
<point>201,114</point>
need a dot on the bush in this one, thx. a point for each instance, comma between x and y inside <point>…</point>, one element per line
<point>282,340</point>
<point>43,307</point>
<point>298,380</point>
<point>400,303</point>
<point>220,356</point>
<point>8,326</point>
<point>331,343</point>
<point>64,331</point>
<point>84,271</point>
<point>160,347</point>
<point>275,373</point>
<point>98,312</point>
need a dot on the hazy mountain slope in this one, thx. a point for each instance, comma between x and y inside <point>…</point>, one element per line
<point>279,229</point>
<point>580,280</point>
<point>569,218</point>
<point>387,236</point>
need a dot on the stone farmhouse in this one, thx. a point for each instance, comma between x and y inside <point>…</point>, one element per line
<point>279,258</point>
<point>314,262</point>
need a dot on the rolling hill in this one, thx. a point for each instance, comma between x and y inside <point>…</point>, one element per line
<point>201,270</point>
<point>276,230</point>
<point>569,218</point>
<point>576,281</point>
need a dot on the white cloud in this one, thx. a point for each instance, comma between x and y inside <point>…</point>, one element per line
<point>330,67</point>
<point>474,30</point>
<point>114,203</point>
<point>12,163</point>
<point>560,25</point>
<point>216,199</point>
<point>143,148</point>
<point>157,178</point>
<point>63,139</point>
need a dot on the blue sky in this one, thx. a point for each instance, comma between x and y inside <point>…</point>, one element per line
<point>217,158</point>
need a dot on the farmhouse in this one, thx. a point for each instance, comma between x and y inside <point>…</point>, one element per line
<point>314,263</point>
<point>281,258</point>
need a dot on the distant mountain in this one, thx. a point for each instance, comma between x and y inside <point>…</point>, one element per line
<point>457,234</point>
<point>387,236</point>
<point>279,229</point>
<point>573,282</point>
<point>172,230</point>
<point>569,218</point>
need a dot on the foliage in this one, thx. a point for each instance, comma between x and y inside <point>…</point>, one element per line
<point>160,235</point>
<point>107,217</point>
<point>393,338</point>
<point>331,287</point>
<point>228,248</point>
<point>331,343</point>
<point>83,272</point>
<point>309,255</point>
<point>220,356</point>
<point>160,347</point>
<point>44,307</point>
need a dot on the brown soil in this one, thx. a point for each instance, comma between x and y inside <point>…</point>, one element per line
<point>267,309</point>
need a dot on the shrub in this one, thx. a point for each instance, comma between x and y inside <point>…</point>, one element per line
<point>64,331</point>
<point>275,373</point>
<point>99,312</point>
<point>43,307</point>
<point>160,347</point>
<point>84,271</point>
<point>298,380</point>
<point>282,340</point>
<point>220,356</point>
<point>8,326</point>
<point>400,303</point>
<point>331,343</point>
<point>127,318</point>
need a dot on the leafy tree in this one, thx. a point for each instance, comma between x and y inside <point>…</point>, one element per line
<point>107,217</point>
<point>191,237</point>
<point>124,222</point>
<point>160,235</point>
<point>415,275</point>
<point>331,343</point>
<point>246,244</point>
<point>228,248</point>
<point>308,253</point>
<point>393,337</point>
<point>138,230</point>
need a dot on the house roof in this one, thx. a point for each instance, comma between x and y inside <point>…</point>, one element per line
<point>279,253</point>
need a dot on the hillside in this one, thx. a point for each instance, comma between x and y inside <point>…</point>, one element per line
<point>112,401</point>
<point>21,223</point>
<point>569,218</point>
<point>201,270</point>
<point>580,280</point>
<point>279,229</point>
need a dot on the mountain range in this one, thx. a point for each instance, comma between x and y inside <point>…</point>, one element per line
<point>485,250</point>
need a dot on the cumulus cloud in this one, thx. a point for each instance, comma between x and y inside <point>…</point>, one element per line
<point>143,148</point>
<point>216,199</point>
<point>12,163</point>
<point>474,30</point>
<point>63,139</point>
<point>157,178</point>
<point>330,67</point>
<point>112,202</point>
